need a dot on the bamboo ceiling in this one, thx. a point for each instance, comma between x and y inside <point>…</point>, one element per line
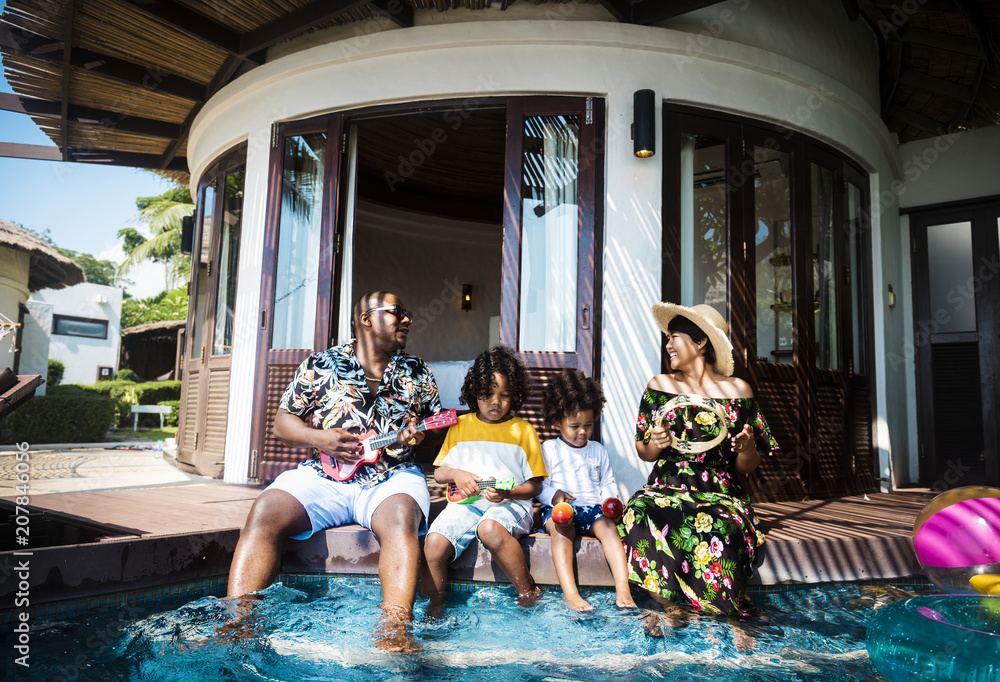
<point>121,81</point>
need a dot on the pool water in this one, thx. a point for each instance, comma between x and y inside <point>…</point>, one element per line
<point>322,631</point>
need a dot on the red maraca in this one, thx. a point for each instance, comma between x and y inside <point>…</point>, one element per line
<point>562,514</point>
<point>612,507</point>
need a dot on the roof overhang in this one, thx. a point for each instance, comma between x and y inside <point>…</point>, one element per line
<point>120,82</point>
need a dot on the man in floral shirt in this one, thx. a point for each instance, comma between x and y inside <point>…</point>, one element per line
<point>367,384</point>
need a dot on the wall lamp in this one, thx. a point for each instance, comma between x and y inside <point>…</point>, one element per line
<point>466,297</point>
<point>643,124</point>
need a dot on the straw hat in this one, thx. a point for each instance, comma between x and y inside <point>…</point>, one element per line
<point>710,321</point>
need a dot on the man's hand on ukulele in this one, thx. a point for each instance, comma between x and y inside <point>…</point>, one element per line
<point>341,444</point>
<point>465,481</point>
<point>410,435</point>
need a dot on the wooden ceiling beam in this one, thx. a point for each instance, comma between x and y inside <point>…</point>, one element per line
<point>943,41</point>
<point>111,157</point>
<point>75,113</point>
<point>917,120</point>
<point>40,47</point>
<point>937,86</point>
<point>68,17</point>
<point>294,22</point>
<point>37,152</point>
<point>193,24</point>
<point>647,12</point>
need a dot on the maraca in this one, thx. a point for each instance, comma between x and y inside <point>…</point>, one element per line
<point>562,514</point>
<point>612,507</point>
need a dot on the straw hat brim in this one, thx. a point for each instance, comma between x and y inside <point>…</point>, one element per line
<point>664,312</point>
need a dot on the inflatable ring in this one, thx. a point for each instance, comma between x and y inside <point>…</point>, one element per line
<point>685,400</point>
<point>937,637</point>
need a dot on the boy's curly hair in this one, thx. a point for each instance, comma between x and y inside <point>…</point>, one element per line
<point>479,380</point>
<point>570,392</point>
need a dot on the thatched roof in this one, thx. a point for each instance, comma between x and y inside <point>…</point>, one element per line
<point>152,327</point>
<point>49,269</point>
<point>121,81</point>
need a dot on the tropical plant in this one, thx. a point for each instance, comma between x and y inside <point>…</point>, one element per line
<point>162,216</point>
<point>55,372</point>
<point>166,305</point>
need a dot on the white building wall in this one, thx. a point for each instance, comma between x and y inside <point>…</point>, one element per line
<point>607,60</point>
<point>83,355</point>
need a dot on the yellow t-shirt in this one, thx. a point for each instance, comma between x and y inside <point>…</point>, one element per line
<point>510,448</point>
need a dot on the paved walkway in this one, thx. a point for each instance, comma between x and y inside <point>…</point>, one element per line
<point>88,469</point>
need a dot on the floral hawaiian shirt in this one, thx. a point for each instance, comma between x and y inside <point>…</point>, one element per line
<point>329,391</point>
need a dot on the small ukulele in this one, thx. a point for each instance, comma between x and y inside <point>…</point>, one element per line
<point>372,444</point>
<point>458,497</point>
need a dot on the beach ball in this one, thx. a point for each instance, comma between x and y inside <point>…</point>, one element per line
<point>957,536</point>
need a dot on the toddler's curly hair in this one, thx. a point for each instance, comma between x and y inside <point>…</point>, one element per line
<point>570,392</point>
<point>479,380</point>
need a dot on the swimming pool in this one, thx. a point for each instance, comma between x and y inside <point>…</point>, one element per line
<point>319,628</point>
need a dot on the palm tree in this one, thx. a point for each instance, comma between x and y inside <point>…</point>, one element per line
<point>162,216</point>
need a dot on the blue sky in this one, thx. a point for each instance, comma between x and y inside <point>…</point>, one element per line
<point>82,205</point>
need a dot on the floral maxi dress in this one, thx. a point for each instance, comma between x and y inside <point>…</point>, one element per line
<point>690,534</point>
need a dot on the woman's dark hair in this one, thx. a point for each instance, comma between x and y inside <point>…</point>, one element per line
<point>479,380</point>
<point>685,326</point>
<point>571,392</point>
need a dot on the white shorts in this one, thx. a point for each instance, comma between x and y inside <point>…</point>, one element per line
<point>459,523</point>
<point>330,504</point>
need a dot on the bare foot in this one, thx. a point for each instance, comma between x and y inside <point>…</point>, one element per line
<point>623,600</point>
<point>577,603</point>
<point>435,609</point>
<point>529,598</point>
<point>393,631</point>
<point>743,640</point>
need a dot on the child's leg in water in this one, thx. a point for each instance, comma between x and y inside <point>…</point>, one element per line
<point>604,530</point>
<point>562,538</point>
<point>508,554</point>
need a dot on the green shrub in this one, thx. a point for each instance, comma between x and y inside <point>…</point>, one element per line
<point>125,375</point>
<point>75,416</point>
<point>55,373</point>
<point>174,417</point>
<point>126,394</point>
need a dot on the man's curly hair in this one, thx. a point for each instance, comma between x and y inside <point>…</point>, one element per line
<point>479,380</point>
<point>570,392</point>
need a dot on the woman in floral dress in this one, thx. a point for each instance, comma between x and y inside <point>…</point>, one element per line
<point>690,534</point>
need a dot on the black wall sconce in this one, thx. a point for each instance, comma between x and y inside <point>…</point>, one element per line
<point>643,124</point>
<point>187,234</point>
<point>466,297</point>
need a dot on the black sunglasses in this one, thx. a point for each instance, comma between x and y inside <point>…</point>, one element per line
<point>398,311</point>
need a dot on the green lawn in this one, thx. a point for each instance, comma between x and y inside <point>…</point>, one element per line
<point>143,434</point>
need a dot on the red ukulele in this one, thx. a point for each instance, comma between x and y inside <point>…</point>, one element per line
<point>372,444</point>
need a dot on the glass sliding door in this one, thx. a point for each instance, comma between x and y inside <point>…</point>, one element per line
<point>704,202</point>
<point>296,278</point>
<point>772,238</point>
<point>204,410</point>
<point>297,314</point>
<point>549,233</point>
<point>824,266</point>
